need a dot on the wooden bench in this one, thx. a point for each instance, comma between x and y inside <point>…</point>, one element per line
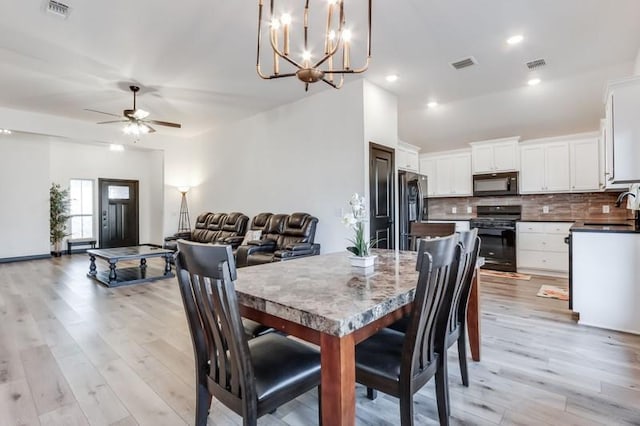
<point>80,242</point>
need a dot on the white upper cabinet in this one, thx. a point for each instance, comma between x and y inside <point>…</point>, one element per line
<point>428,168</point>
<point>544,168</point>
<point>557,174</point>
<point>449,173</point>
<point>407,157</point>
<point>585,165</point>
<point>623,131</point>
<point>500,155</point>
<point>532,159</point>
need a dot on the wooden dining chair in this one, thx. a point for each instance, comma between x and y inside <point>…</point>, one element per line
<point>251,377</point>
<point>429,230</point>
<point>452,321</point>
<point>399,364</point>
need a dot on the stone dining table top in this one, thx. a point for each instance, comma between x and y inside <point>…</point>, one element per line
<point>327,294</point>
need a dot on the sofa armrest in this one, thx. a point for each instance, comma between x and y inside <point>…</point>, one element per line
<point>269,244</point>
<point>234,241</point>
<point>243,252</point>
<point>178,235</point>
<point>298,247</point>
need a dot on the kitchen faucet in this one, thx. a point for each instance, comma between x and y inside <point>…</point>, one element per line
<point>619,203</point>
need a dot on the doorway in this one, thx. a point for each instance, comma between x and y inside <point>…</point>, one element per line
<point>118,213</point>
<point>381,194</point>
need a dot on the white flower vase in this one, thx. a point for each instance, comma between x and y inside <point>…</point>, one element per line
<point>362,261</point>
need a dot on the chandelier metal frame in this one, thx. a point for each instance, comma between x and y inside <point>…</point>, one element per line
<point>335,40</point>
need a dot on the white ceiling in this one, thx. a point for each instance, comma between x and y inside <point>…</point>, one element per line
<point>195,60</point>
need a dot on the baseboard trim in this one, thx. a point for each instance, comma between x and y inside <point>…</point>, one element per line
<point>24,258</point>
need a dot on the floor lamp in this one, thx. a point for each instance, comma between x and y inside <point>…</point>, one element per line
<point>184,224</point>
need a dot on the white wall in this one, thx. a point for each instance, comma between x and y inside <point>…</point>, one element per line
<point>24,191</point>
<point>381,127</point>
<point>72,160</point>
<point>636,67</point>
<point>305,156</point>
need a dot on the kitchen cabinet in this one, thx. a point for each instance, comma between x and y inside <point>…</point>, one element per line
<point>541,247</point>
<point>622,115</point>
<point>449,174</point>
<point>428,168</point>
<point>545,168</point>
<point>585,165</point>
<point>605,279</point>
<point>500,155</point>
<point>407,158</point>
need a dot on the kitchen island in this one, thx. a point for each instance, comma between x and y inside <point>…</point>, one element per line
<point>605,279</point>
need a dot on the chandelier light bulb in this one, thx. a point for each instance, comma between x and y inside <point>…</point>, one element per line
<point>332,35</point>
<point>332,2</point>
<point>275,24</point>
<point>306,55</point>
<point>285,19</point>
<point>346,36</point>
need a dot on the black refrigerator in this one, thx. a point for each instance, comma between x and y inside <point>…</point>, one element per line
<point>412,196</point>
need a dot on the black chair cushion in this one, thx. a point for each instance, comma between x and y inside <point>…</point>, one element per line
<point>254,329</point>
<point>381,354</point>
<point>280,363</point>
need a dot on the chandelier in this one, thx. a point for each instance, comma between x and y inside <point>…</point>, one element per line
<point>333,62</point>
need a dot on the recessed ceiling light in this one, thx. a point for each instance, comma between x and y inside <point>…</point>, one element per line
<point>392,77</point>
<point>533,82</point>
<point>432,104</point>
<point>515,39</point>
<point>116,147</point>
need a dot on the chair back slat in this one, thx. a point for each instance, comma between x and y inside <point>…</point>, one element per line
<point>206,276</point>
<point>458,296</point>
<point>437,266</point>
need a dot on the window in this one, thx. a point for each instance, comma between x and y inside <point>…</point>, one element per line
<point>81,208</point>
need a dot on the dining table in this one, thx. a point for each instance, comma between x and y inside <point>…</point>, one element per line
<point>327,302</point>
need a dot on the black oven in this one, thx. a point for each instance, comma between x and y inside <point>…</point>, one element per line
<point>493,184</point>
<point>497,231</point>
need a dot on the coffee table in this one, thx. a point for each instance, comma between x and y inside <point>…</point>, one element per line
<point>131,275</point>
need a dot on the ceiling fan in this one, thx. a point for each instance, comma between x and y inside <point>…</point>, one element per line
<point>136,118</point>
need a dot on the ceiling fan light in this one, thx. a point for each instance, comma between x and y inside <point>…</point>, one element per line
<point>140,114</point>
<point>143,128</point>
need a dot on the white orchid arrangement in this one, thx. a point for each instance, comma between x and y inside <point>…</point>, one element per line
<point>355,220</point>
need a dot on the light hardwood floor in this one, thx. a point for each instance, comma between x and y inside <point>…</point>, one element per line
<point>74,353</point>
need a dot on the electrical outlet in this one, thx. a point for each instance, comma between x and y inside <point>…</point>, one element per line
<point>469,209</point>
<point>454,210</point>
<point>605,209</point>
<point>545,209</point>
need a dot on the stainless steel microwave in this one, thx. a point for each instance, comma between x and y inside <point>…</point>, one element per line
<point>492,184</point>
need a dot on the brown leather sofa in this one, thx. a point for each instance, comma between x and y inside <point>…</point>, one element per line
<point>214,228</point>
<point>284,237</point>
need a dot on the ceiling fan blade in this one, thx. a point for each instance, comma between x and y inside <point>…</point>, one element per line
<point>102,112</point>
<point>165,123</point>
<point>113,121</point>
<point>151,129</point>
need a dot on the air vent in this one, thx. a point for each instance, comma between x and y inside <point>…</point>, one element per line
<point>58,9</point>
<point>464,63</point>
<point>535,64</point>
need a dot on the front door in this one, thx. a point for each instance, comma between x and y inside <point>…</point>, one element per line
<point>118,213</point>
<point>381,194</point>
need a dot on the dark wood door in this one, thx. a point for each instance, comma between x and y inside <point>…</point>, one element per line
<point>118,213</point>
<point>381,178</point>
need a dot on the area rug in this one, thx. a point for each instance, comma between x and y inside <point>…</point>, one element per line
<point>553,292</point>
<point>501,274</point>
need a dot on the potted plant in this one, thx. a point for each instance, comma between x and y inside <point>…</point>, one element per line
<point>58,209</point>
<point>361,246</point>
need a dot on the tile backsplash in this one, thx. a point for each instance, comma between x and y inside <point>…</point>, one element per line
<point>568,207</point>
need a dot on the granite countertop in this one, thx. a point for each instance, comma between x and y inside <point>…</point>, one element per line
<point>622,226</point>
<point>326,293</point>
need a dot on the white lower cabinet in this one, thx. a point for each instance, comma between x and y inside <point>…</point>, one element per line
<point>541,247</point>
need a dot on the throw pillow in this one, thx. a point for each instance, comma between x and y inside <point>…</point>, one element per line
<point>251,236</point>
